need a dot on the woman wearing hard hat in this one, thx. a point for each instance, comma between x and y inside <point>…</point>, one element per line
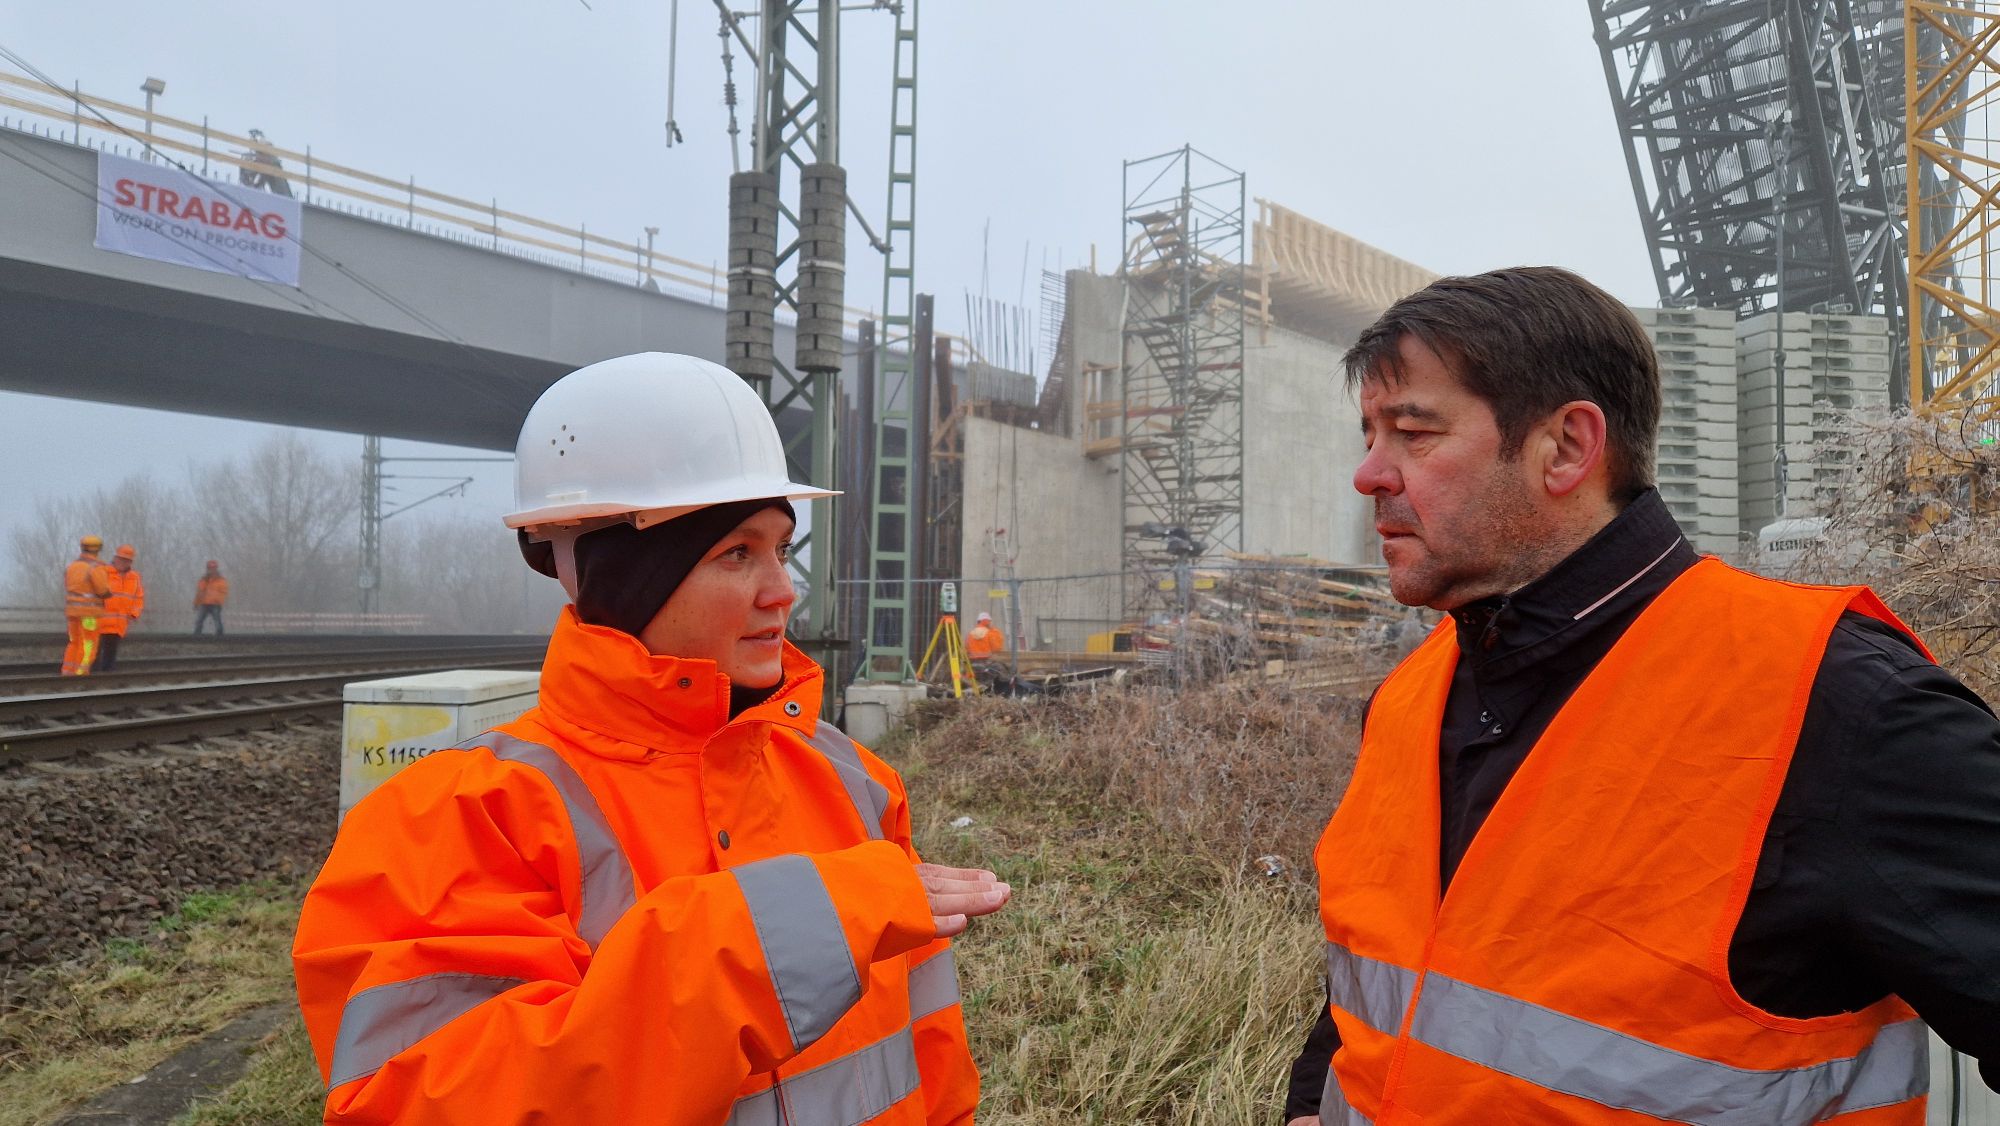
<point>668,894</point>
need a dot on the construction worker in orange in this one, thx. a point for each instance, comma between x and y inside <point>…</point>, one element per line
<point>670,893</point>
<point>985,641</point>
<point>123,607</point>
<point>211,590</point>
<point>86,584</point>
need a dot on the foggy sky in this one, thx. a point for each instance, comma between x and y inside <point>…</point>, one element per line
<point>1459,135</point>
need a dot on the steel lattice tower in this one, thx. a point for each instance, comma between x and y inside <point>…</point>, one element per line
<point>1181,451</point>
<point>1954,91</point>
<point>1765,131</point>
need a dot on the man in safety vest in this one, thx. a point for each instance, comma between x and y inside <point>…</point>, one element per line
<point>211,590</point>
<point>1633,836</point>
<point>670,893</point>
<point>985,640</point>
<point>86,583</point>
<point>123,607</point>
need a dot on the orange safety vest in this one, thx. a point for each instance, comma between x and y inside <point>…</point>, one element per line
<point>626,907</point>
<point>84,587</point>
<point>126,601</point>
<point>211,591</point>
<point>983,642</point>
<point>1577,969</point>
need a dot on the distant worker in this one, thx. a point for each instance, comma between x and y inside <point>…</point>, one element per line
<point>210,592</point>
<point>121,609</point>
<point>1633,836</point>
<point>670,893</point>
<point>985,641</point>
<point>266,176</point>
<point>86,584</point>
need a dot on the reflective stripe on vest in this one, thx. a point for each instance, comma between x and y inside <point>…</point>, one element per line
<point>933,985</point>
<point>805,947</point>
<point>606,892</point>
<point>870,798</point>
<point>1612,1068</point>
<point>854,1088</point>
<point>377,1024</point>
<point>1375,993</point>
<point>1333,1107</point>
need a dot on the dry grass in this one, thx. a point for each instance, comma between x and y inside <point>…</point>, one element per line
<point>282,1087</point>
<point>70,1031</point>
<point>1144,973</point>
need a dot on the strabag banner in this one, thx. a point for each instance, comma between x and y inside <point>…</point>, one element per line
<point>158,211</point>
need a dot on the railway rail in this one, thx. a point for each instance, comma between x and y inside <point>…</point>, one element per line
<point>127,710</point>
<point>34,676</point>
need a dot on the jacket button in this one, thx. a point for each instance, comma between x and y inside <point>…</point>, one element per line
<point>722,838</point>
<point>791,707</point>
<point>686,682</point>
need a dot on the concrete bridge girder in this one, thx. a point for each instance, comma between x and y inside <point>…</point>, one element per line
<point>391,331</point>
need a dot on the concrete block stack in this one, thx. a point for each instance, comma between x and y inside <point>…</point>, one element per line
<point>1698,427</point>
<point>1832,363</point>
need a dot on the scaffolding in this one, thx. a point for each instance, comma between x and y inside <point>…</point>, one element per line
<point>1761,132</point>
<point>1954,83</point>
<point>1180,444</point>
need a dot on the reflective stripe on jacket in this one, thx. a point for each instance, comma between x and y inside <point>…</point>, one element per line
<point>126,601</point>
<point>85,583</point>
<point>625,907</point>
<point>211,591</point>
<point>1576,971</point>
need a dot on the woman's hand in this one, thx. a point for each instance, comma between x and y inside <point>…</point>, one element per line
<point>957,894</point>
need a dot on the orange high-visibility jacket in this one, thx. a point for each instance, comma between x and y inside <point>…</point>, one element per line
<point>126,601</point>
<point>1577,968</point>
<point>86,582</point>
<point>211,591</point>
<point>984,642</point>
<point>627,907</point>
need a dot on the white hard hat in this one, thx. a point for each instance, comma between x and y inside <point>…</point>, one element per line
<point>645,438</point>
<point>985,617</point>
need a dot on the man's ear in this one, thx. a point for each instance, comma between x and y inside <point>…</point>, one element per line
<point>1574,449</point>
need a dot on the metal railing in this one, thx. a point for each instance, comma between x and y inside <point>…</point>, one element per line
<point>99,123</point>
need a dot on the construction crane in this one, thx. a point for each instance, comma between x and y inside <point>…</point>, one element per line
<point>1816,155</point>
<point>1953,84</point>
<point>1764,143</point>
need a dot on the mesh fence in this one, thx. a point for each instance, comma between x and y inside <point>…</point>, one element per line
<point>1199,621</point>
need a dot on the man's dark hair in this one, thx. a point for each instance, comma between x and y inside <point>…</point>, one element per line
<point>1526,340</point>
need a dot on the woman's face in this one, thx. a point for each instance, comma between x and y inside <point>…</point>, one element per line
<point>731,608</point>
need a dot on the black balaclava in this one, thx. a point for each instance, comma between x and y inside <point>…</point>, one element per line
<point>624,575</point>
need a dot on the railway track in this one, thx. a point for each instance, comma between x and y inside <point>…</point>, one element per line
<point>123,710</point>
<point>34,677</point>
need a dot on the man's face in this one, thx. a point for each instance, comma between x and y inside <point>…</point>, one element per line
<point>121,563</point>
<point>1457,519</point>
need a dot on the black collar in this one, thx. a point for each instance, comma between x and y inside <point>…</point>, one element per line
<point>1627,563</point>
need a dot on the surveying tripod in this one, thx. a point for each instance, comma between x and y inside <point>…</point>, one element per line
<point>952,655</point>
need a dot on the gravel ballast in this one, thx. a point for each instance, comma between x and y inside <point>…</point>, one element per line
<point>102,847</point>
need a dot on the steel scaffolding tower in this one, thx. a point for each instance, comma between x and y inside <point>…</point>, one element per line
<point>796,135</point>
<point>890,558</point>
<point>1181,447</point>
<point>1954,89</point>
<point>1760,132</point>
